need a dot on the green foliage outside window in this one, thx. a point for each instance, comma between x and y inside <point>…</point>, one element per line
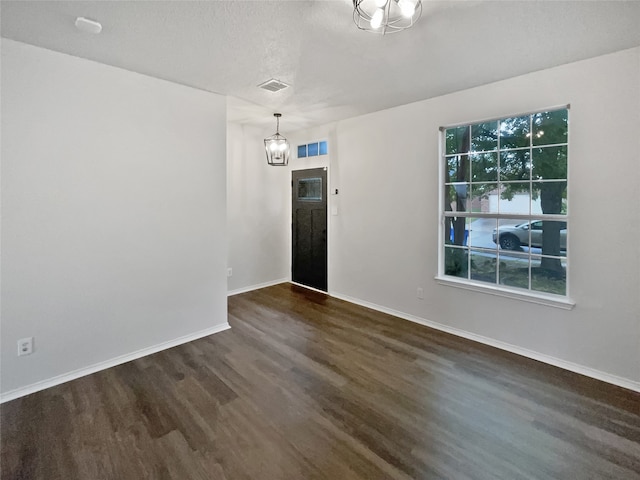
<point>524,155</point>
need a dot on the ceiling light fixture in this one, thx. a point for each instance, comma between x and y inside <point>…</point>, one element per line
<point>386,16</point>
<point>277,147</point>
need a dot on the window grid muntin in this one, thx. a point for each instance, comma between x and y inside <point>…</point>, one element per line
<point>530,217</point>
<point>321,148</point>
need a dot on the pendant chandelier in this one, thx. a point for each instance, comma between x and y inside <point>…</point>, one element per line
<point>386,16</point>
<point>276,146</point>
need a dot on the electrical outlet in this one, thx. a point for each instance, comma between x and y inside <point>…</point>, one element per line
<point>229,272</point>
<point>25,346</point>
<point>420,293</point>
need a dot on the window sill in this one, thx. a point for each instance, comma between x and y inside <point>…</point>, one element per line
<point>541,299</point>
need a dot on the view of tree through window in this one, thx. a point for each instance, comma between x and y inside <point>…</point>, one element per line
<point>505,201</point>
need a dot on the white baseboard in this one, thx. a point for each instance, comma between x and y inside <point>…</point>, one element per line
<point>307,287</point>
<point>573,367</point>
<point>557,362</point>
<point>256,287</point>
<point>81,372</point>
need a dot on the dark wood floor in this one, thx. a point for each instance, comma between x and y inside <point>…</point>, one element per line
<point>310,387</point>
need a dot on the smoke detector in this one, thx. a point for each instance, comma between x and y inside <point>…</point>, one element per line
<point>273,85</point>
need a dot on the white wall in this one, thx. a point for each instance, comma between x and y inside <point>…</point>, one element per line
<point>384,242</point>
<point>113,213</point>
<point>258,201</point>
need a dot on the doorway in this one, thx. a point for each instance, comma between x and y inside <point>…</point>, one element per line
<point>309,227</point>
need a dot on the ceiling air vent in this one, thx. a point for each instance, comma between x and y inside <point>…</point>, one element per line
<point>273,85</point>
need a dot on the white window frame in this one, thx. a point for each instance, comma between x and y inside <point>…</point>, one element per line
<point>559,301</point>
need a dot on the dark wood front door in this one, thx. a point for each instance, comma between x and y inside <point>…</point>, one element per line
<point>309,227</point>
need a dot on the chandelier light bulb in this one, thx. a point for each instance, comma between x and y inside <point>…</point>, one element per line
<point>407,8</point>
<point>376,19</point>
<point>386,16</point>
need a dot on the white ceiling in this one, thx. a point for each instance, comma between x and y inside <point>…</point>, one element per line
<point>335,70</point>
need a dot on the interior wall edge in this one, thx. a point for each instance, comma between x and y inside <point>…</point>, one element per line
<point>81,372</point>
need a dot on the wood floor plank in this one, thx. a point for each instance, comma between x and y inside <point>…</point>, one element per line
<point>305,386</point>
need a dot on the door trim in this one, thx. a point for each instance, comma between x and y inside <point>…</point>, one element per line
<point>329,215</point>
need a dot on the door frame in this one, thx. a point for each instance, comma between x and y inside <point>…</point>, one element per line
<point>329,215</point>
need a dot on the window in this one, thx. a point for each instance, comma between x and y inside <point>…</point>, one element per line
<point>313,149</point>
<point>310,189</point>
<point>504,209</point>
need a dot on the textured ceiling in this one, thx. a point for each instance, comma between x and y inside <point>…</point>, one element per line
<point>335,70</point>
